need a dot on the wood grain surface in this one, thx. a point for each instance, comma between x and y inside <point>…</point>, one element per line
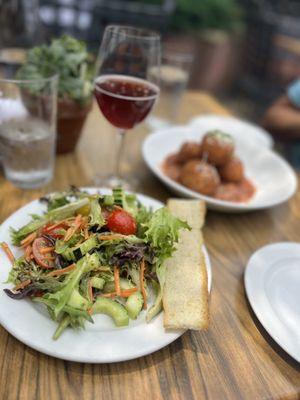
<point>234,359</point>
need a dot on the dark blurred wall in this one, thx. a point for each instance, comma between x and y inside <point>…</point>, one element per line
<point>86,19</point>
<point>272,47</point>
<point>19,23</point>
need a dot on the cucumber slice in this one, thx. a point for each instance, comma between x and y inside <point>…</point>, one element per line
<point>78,301</point>
<point>97,283</point>
<point>134,304</point>
<point>76,252</point>
<point>110,307</point>
<point>124,284</point>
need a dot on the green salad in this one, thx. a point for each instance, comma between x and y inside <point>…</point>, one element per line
<point>92,253</point>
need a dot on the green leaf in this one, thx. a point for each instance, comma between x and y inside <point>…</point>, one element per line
<point>67,57</point>
<point>62,296</point>
<point>162,232</point>
<point>67,210</point>
<point>95,215</point>
<point>17,235</point>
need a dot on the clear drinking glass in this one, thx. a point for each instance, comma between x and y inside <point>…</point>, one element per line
<point>174,76</point>
<point>125,89</point>
<point>28,130</point>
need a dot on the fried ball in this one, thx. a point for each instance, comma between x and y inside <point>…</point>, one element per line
<point>188,151</point>
<point>171,167</point>
<point>218,147</point>
<point>172,159</point>
<point>232,171</point>
<point>200,176</point>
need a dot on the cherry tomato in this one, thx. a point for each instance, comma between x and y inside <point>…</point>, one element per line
<point>42,259</point>
<point>55,232</point>
<point>120,221</point>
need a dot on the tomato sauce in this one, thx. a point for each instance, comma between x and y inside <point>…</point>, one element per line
<point>240,192</point>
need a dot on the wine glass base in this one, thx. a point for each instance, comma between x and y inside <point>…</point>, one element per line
<point>112,181</point>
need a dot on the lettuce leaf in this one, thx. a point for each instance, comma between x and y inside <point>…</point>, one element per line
<point>95,215</point>
<point>62,296</point>
<point>162,232</point>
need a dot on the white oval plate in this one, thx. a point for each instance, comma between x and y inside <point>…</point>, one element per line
<point>272,282</point>
<point>239,129</point>
<point>274,179</point>
<point>100,342</point>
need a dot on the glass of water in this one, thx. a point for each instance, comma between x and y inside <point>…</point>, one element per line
<point>28,130</point>
<point>174,74</point>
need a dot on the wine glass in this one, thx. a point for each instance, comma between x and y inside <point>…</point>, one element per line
<point>125,88</point>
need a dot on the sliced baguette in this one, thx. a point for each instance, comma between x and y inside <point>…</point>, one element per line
<point>185,295</point>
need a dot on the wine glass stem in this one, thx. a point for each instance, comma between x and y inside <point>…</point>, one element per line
<point>120,146</point>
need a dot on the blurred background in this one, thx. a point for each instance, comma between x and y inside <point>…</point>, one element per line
<point>244,51</point>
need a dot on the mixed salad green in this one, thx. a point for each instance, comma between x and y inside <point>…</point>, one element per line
<point>93,253</point>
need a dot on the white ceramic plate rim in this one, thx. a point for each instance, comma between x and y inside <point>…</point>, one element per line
<point>255,276</point>
<point>141,339</point>
<point>220,205</point>
<point>264,137</point>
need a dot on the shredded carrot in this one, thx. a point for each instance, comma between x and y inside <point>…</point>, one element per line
<point>123,293</point>
<point>62,271</point>
<point>90,310</point>
<point>49,258</point>
<point>63,221</point>
<point>128,292</point>
<point>78,220</point>
<point>90,289</point>
<point>117,280</point>
<point>29,239</point>
<point>84,221</point>
<point>142,271</point>
<point>69,234</point>
<point>45,250</point>
<point>112,294</point>
<point>73,229</point>
<point>28,252</point>
<point>110,237</point>
<point>22,285</point>
<point>86,233</point>
<point>8,252</point>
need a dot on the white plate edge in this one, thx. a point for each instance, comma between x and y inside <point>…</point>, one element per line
<point>255,307</point>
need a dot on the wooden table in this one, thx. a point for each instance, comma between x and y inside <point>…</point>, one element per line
<point>234,359</point>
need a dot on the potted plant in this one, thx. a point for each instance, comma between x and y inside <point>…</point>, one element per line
<point>211,30</point>
<point>68,58</point>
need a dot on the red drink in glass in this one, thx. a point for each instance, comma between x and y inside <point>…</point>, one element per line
<point>125,101</point>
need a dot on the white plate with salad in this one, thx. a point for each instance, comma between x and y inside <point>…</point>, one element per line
<point>75,291</point>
